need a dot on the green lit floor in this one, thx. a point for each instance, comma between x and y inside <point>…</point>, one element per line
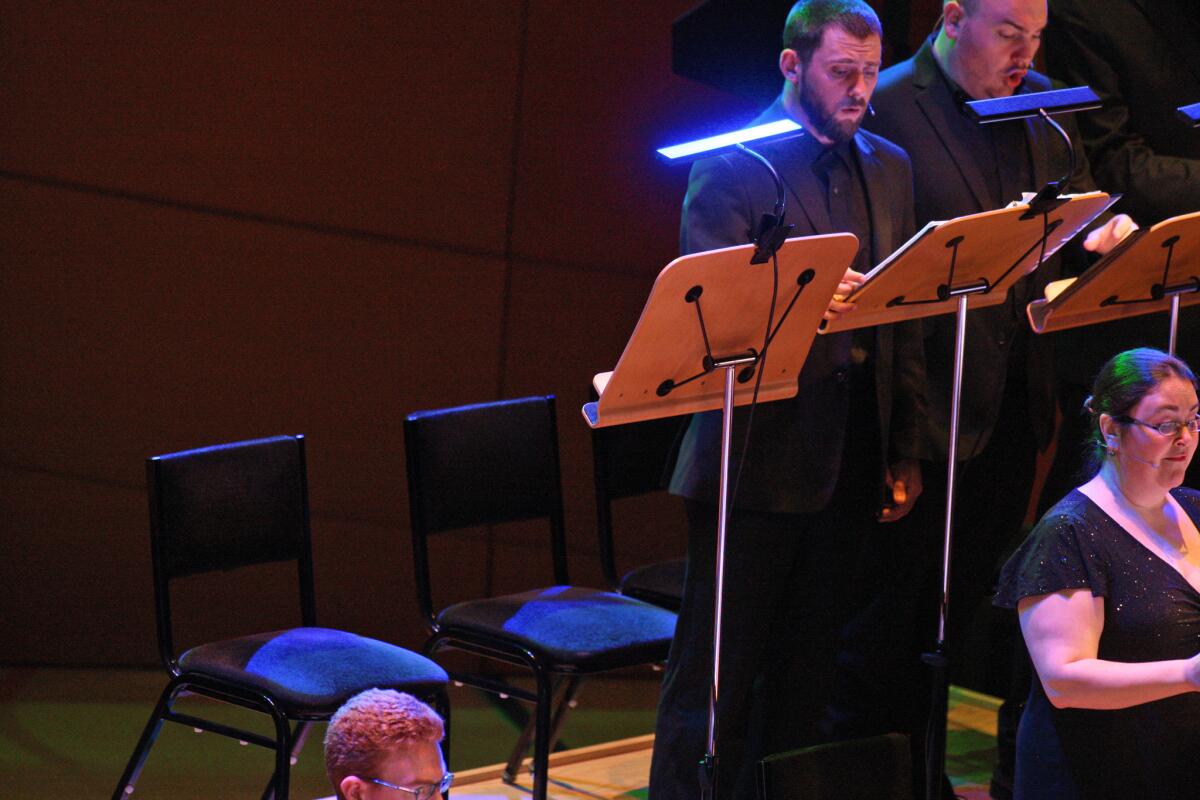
<point>67,733</point>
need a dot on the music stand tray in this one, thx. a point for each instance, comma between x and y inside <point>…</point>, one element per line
<point>989,251</point>
<point>728,316</point>
<point>1150,270</point>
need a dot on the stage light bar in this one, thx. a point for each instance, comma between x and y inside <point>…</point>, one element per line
<point>1020,106</point>
<point>1190,114</point>
<point>725,142</point>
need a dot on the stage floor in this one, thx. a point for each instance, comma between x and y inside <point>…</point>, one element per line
<point>618,770</point>
<point>68,732</point>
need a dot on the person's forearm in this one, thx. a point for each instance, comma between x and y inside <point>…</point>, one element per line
<point>1098,684</point>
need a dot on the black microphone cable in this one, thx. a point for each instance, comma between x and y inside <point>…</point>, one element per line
<point>762,367</point>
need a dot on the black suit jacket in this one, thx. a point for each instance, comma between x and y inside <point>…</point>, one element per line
<point>1143,58</point>
<point>796,445</point>
<point>913,105</point>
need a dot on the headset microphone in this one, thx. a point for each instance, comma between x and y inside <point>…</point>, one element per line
<point>1111,439</point>
<point>1150,464</point>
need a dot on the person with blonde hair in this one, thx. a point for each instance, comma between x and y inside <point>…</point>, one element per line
<point>385,744</point>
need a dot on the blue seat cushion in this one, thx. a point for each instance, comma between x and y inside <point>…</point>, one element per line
<point>660,584</point>
<point>314,670</point>
<point>571,627</point>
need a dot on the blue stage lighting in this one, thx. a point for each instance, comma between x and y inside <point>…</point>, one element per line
<point>726,142</point>
<point>1034,104</point>
<point>1190,114</point>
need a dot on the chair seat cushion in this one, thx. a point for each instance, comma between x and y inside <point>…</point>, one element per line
<point>314,670</point>
<point>568,626</point>
<point>660,584</point>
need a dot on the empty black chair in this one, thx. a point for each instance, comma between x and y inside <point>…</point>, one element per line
<point>230,506</point>
<point>628,461</point>
<point>875,768</point>
<point>498,462</point>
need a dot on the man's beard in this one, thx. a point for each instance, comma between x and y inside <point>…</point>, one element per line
<point>822,121</point>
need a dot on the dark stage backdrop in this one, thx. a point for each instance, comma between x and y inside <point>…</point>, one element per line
<point>228,220</point>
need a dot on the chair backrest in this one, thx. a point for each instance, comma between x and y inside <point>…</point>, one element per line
<point>482,464</point>
<point>228,506</point>
<point>628,461</point>
<point>875,768</point>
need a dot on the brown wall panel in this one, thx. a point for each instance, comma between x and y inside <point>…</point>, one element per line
<point>364,576</point>
<point>221,221</point>
<point>385,116</point>
<point>75,583</point>
<point>134,329</point>
<point>599,98</point>
<point>78,586</point>
<point>566,325</point>
<point>131,329</point>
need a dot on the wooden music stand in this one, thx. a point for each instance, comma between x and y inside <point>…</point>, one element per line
<point>728,315</point>
<point>709,312</point>
<point>1151,270</point>
<point>990,251</point>
<point>968,262</point>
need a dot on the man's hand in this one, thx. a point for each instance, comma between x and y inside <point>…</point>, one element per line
<point>904,482</point>
<point>846,287</point>
<point>1106,237</point>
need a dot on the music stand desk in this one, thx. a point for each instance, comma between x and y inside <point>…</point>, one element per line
<point>1151,270</point>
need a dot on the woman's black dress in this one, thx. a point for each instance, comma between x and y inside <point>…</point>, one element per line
<point>1151,613</point>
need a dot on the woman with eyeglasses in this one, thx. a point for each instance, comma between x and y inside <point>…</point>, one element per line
<point>1107,587</point>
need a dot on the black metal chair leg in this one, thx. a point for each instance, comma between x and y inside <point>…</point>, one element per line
<point>278,788</point>
<point>541,736</point>
<point>513,767</point>
<point>298,736</point>
<point>133,768</point>
<point>560,712</point>
<point>441,704</point>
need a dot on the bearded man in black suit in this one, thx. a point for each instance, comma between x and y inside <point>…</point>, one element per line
<point>983,49</point>
<point>821,469</point>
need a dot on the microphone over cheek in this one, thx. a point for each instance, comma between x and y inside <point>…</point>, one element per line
<point>1151,464</point>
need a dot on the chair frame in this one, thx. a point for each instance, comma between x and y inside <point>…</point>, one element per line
<point>550,680</point>
<point>605,495</point>
<point>288,740</point>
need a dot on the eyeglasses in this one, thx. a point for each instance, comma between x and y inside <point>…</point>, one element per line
<point>1171,427</point>
<point>426,791</point>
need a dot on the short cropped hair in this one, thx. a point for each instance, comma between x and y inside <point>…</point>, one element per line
<point>808,19</point>
<point>370,726</point>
